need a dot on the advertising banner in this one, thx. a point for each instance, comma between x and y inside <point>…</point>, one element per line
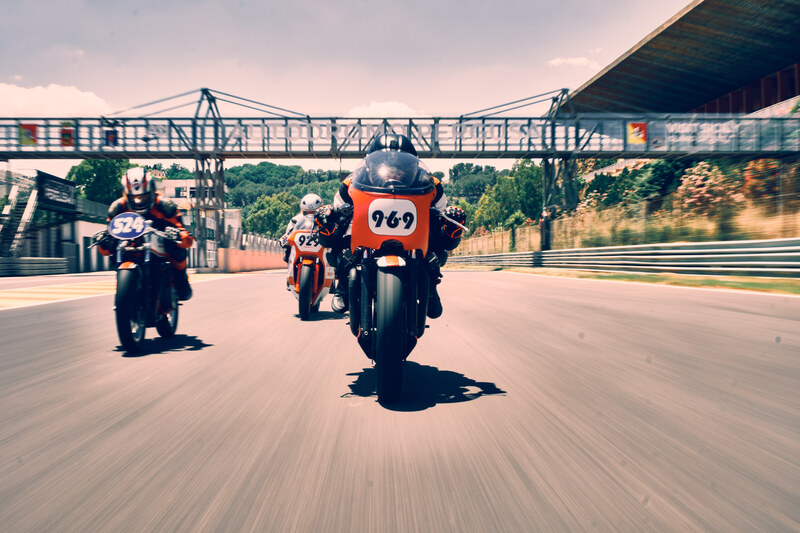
<point>67,134</point>
<point>637,132</point>
<point>28,134</point>
<point>56,194</point>
<point>111,138</point>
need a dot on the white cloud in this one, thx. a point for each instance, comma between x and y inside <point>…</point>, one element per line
<point>574,62</point>
<point>595,50</point>
<point>383,109</point>
<point>51,101</point>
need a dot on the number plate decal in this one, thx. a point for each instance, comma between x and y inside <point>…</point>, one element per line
<point>127,226</point>
<point>306,243</point>
<point>392,216</point>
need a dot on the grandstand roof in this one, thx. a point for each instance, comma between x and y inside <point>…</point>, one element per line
<point>708,49</point>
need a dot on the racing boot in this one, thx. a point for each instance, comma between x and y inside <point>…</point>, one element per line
<point>435,262</point>
<point>434,302</point>
<point>344,262</point>
<point>339,303</point>
<point>286,251</point>
<point>181,280</point>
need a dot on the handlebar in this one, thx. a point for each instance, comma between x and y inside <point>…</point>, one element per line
<point>462,226</point>
<point>148,229</point>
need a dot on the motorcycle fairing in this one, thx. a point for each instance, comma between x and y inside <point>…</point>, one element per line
<point>370,221</point>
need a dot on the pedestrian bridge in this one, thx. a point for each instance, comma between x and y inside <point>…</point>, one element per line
<point>573,136</point>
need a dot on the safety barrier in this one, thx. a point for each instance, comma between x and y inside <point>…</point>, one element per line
<point>233,260</point>
<point>774,257</point>
<point>32,266</point>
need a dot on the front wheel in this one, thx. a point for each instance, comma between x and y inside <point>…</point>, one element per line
<point>354,299</point>
<point>389,335</point>
<point>129,309</point>
<point>167,323</point>
<point>306,286</point>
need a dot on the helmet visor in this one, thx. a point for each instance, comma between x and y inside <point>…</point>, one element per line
<point>392,172</point>
<point>141,201</point>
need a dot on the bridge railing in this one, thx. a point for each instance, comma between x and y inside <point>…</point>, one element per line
<point>586,135</point>
<point>774,257</point>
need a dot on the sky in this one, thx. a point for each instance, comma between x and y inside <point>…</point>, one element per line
<point>321,58</point>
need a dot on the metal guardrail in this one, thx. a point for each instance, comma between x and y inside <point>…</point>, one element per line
<point>774,257</point>
<point>32,266</point>
<point>92,209</point>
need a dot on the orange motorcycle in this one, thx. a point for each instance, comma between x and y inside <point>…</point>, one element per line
<point>309,275</point>
<point>392,197</point>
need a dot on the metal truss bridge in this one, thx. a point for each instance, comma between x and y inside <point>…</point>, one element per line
<point>579,136</point>
<point>560,138</point>
<point>289,134</point>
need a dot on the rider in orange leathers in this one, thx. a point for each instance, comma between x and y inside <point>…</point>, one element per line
<point>139,195</point>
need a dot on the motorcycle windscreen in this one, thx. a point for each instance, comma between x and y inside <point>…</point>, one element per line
<point>392,173</point>
<point>380,217</point>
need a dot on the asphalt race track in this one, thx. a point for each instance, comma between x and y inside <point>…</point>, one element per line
<point>534,404</point>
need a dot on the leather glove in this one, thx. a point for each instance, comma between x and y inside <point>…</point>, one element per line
<point>105,241</point>
<point>456,213</point>
<point>173,233</point>
<point>325,219</point>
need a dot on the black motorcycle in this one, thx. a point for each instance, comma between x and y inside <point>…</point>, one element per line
<point>145,294</point>
<point>389,282</point>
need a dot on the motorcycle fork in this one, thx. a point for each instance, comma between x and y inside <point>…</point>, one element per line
<point>368,276</point>
<point>410,296</point>
<point>423,287</point>
<point>316,287</point>
<point>164,302</point>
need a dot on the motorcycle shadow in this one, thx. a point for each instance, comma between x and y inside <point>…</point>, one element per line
<point>323,315</point>
<point>424,387</point>
<point>159,345</point>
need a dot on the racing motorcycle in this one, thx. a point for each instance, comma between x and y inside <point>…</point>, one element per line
<point>388,286</point>
<point>309,275</point>
<point>145,294</point>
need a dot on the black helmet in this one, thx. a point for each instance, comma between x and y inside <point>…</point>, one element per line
<point>392,142</point>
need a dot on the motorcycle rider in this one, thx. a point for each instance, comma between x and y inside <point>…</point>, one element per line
<point>140,196</point>
<point>308,206</point>
<point>333,223</point>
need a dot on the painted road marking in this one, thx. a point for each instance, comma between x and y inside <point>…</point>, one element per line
<point>14,298</point>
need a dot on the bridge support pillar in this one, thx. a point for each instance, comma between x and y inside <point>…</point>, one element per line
<point>209,202</point>
<point>559,190</point>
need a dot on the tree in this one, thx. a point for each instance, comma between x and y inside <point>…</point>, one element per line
<point>178,172</point>
<point>529,179</point>
<point>584,166</point>
<point>658,180</point>
<point>520,190</point>
<point>470,181</point>
<point>270,214</point>
<point>98,180</point>
<point>611,191</point>
<point>704,191</point>
<point>512,223</point>
<point>761,179</point>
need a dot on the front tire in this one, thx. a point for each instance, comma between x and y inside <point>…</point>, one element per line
<point>389,335</point>
<point>354,299</point>
<point>167,324</point>
<point>129,310</point>
<point>304,296</point>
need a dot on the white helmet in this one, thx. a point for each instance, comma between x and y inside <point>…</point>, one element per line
<point>310,203</point>
<point>139,189</point>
